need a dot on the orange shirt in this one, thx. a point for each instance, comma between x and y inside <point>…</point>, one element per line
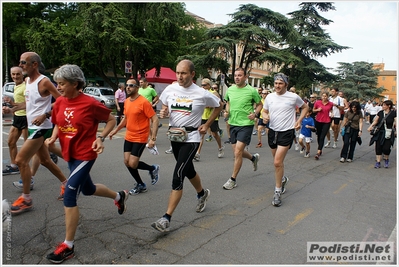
<point>137,115</point>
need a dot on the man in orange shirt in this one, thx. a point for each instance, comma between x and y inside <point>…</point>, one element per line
<point>138,113</point>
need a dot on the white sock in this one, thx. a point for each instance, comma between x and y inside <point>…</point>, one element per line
<point>117,197</point>
<point>26,196</point>
<point>14,165</point>
<point>69,243</point>
<point>277,189</point>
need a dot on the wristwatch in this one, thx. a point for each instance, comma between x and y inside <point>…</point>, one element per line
<point>154,139</point>
<point>101,137</point>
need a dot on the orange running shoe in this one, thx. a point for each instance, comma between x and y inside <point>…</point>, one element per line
<point>21,205</point>
<point>61,196</point>
<point>259,145</point>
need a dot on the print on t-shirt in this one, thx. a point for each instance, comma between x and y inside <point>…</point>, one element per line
<point>182,104</point>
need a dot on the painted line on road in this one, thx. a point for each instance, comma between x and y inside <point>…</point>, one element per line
<point>340,189</point>
<point>298,218</point>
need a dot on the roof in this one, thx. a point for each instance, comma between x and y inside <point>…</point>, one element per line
<point>166,75</point>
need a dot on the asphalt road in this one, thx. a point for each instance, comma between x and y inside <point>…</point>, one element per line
<point>326,201</point>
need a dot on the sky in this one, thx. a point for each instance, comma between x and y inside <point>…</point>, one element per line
<point>370,28</point>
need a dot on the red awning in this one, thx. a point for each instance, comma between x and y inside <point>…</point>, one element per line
<point>166,75</point>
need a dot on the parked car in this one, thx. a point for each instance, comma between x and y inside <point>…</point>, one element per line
<point>8,90</point>
<point>103,94</point>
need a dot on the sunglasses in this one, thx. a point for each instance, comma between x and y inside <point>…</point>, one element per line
<point>132,85</point>
<point>205,84</point>
<point>214,88</point>
<point>23,62</point>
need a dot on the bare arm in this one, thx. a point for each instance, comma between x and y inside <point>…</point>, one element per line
<point>98,143</point>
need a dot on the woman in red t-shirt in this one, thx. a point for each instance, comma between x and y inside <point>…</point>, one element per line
<point>323,121</point>
<point>75,117</point>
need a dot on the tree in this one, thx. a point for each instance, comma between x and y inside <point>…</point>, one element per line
<point>99,37</point>
<point>253,35</point>
<point>312,42</point>
<point>358,80</point>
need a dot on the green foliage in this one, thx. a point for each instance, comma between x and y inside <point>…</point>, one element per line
<point>99,37</point>
<point>358,80</point>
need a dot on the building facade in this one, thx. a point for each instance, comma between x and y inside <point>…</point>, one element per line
<point>387,80</point>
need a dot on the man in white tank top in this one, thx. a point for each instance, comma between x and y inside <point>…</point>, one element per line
<point>39,90</point>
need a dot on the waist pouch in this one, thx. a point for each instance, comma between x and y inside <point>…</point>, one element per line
<point>179,134</point>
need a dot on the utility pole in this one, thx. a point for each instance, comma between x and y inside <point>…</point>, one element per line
<point>6,78</point>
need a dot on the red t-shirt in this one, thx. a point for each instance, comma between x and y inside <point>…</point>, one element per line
<point>77,121</point>
<point>324,114</point>
<point>137,115</point>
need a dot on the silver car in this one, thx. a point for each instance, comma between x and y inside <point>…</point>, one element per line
<point>103,94</point>
<point>8,90</point>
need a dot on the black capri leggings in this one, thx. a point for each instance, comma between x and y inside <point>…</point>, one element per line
<point>321,131</point>
<point>184,154</point>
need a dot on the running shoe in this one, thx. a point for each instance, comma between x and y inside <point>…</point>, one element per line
<point>61,253</point>
<point>283,184</point>
<point>334,145</point>
<point>197,157</point>
<point>327,144</point>
<point>21,205</point>
<point>307,155</point>
<point>209,138</point>
<point>227,141</point>
<point>377,165</point>
<point>202,201</point>
<point>342,160</point>
<point>169,151</point>
<point>19,184</point>
<point>302,150</point>
<point>296,147</point>
<point>386,163</point>
<point>54,157</point>
<point>221,133</point>
<point>139,188</point>
<point>10,170</point>
<point>121,204</point>
<point>259,145</point>
<point>230,184</point>
<point>161,225</point>
<point>255,162</point>
<point>62,193</point>
<point>154,174</point>
<point>349,160</point>
<point>255,132</point>
<point>276,199</point>
<point>221,152</point>
<point>263,132</point>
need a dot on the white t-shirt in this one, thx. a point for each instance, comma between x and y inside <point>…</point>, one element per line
<point>373,110</point>
<point>337,101</point>
<point>186,106</point>
<point>367,107</point>
<point>282,110</point>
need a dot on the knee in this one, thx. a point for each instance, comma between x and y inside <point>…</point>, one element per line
<point>70,198</point>
<point>278,164</point>
<point>238,154</point>
<point>11,143</point>
<point>133,164</point>
<point>21,162</point>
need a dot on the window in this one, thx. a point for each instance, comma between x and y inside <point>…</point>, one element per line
<point>383,78</point>
<point>393,88</point>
